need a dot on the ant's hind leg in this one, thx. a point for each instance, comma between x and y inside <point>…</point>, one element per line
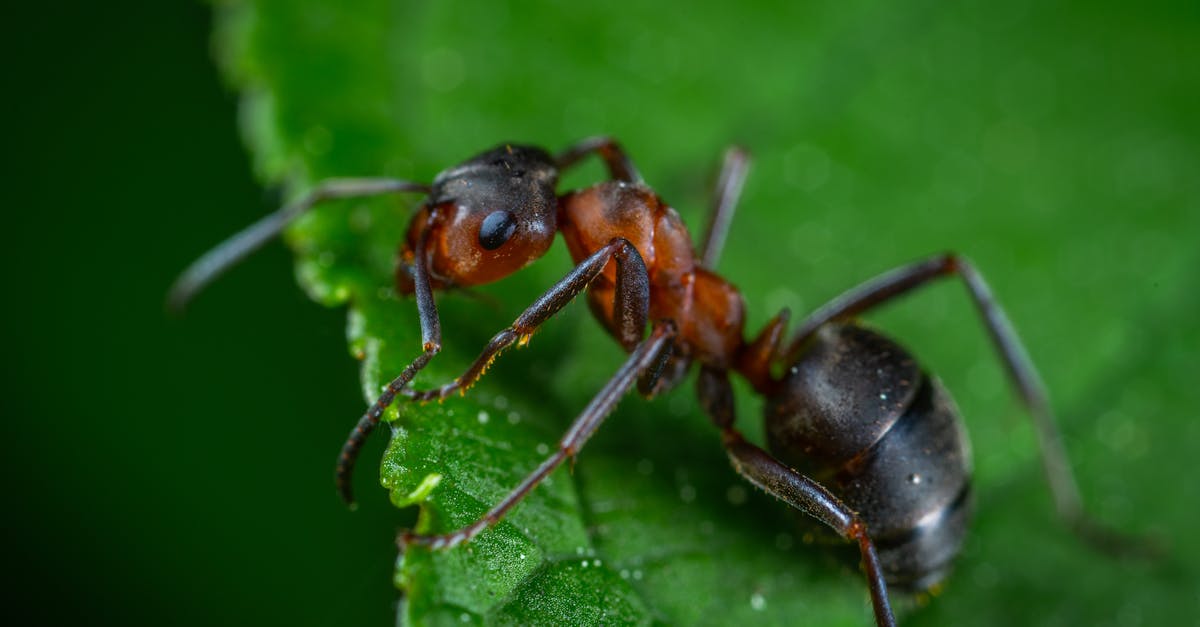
<point>891,285</point>
<point>794,488</point>
<point>647,356</point>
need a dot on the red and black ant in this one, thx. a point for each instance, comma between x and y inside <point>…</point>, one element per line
<point>861,438</point>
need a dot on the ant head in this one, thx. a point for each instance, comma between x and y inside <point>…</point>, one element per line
<point>487,217</point>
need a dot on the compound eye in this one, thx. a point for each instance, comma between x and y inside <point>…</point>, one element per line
<point>497,227</point>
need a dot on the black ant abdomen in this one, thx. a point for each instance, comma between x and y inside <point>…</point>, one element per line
<point>857,414</point>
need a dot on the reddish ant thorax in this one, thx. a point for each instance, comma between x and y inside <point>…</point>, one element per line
<point>708,310</point>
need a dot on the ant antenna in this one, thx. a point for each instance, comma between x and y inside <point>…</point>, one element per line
<point>228,253</point>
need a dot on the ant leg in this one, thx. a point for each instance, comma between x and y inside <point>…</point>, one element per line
<point>620,167</point>
<point>631,302</point>
<point>794,488</point>
<point>648,355</point>
<point>725,197</point>
<point>665,377</point>
<point>225,255</point>
<point>431,344</point>
<point>1013,355</point>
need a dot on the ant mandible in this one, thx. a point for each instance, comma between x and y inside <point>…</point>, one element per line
<point>883,451</point>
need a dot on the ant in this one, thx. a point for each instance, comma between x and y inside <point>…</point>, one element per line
<point>861,438</point>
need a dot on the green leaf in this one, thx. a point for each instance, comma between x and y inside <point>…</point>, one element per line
<point>880,135</point>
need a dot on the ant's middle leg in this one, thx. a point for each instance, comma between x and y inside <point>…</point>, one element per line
<point>631,306</point>
<point>647,357</point>
<point>801,492</point>
<point>725,198</point>
<point>890,285</point>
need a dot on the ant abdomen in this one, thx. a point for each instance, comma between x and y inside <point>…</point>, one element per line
<point>857,414</point>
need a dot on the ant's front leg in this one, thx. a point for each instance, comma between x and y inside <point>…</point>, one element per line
<point>631,306</point>
<point>647,357</point>
<point>431,344</point>
<point>632,301</point>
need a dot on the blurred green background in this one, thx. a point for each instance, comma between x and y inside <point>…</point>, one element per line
<point>178,471</point>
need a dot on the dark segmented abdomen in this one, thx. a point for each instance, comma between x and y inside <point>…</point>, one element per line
<point>856,413</point>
